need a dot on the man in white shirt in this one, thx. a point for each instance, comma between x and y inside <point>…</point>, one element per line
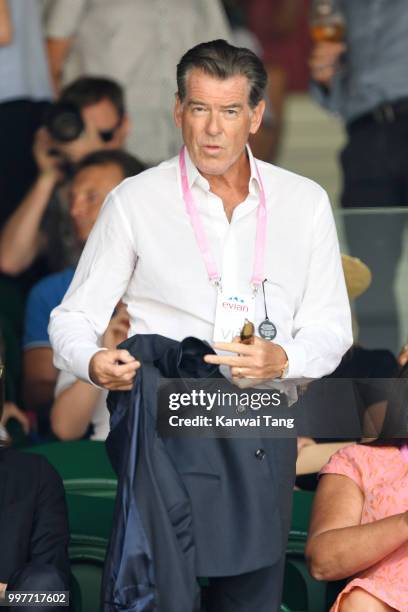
<point>177,240</point>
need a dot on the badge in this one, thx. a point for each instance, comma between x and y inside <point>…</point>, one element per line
<point>232,310</point>
<point>267,330</point>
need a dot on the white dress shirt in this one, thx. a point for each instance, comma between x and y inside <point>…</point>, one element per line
<point>143,248</point>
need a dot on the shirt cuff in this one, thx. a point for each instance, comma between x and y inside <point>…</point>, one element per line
<point>81,366</point>
<point>297,359</point>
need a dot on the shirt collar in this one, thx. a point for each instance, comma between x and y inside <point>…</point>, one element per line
<point>194,176</point>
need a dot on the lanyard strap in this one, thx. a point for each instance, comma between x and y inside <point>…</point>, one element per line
<point>201,237</point>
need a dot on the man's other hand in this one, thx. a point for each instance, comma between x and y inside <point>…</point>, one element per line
<point>262,360</point>
<point>323,61</point>
<point>113,369</point>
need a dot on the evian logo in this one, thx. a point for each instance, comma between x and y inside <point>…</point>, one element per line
<point>235,304</point>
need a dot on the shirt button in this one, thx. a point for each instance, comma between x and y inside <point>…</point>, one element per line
<point>260,454</point>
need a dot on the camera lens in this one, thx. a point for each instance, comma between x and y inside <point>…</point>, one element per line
<point>64,122</point>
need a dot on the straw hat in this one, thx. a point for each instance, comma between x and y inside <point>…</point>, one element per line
<point>358,276</point>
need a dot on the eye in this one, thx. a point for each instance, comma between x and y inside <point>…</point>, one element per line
<point>231,112</point>
<point>198,109</point>
<point>92,197</point>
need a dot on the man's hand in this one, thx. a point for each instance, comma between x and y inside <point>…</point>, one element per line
<point>3,587</point>
<point>113,369</point>
<point>262,360</point>
<point>48,164</point>
<point>323,61</point>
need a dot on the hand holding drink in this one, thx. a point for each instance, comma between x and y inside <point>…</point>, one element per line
<point>327,29</point>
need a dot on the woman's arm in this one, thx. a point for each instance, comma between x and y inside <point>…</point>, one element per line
<point>338,546</point>
<point>73,409</point>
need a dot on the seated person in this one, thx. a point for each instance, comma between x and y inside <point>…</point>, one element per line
<point>78,404</point>
<point>359,523</point>
<point>40,224</point>
<point>94,178</point>
<point>34,531</point>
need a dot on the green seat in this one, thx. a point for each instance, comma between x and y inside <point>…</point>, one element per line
<point>90,520</point>
<point>83,466</point>
<point>75,593</point>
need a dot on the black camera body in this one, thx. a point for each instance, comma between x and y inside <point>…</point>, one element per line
<point>64,122</point>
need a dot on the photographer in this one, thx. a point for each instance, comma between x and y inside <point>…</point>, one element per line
<point>89,116</point>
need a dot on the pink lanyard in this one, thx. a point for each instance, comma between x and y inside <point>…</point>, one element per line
<point>260,241</point>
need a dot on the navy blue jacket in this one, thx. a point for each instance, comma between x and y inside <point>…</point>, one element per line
<point>189,506</point>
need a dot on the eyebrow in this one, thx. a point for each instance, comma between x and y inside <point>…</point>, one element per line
<point>199,103</point>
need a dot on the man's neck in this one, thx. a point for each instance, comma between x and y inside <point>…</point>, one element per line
<point>232,187</point>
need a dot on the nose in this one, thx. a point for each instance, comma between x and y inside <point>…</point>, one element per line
<point>78,205</point>
<point>213,126</point>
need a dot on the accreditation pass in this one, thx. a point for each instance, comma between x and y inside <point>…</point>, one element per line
<point>34,598</point>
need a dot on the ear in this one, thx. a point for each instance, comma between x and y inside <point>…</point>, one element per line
<point>178,111</point>
<point>256,118</point>
<point>126,125</point>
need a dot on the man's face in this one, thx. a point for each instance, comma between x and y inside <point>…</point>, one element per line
<point>98,118</point>
<point>216,120</point>
<point>87,194</point>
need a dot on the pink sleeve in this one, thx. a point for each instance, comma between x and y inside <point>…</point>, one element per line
<point>347,462</point>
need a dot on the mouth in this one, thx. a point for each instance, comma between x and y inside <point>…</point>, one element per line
<point>211,148</point>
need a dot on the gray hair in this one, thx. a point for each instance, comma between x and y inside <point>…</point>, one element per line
<point>221,60</point>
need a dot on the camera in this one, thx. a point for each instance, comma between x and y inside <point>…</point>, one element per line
<point>64,122</point>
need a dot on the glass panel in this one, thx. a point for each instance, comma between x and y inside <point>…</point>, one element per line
<point>379,237</point>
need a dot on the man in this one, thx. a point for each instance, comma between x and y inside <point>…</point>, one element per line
<point>145,41</point>
<point>152,255</point>
<point>34,525</point>
<point>364,80</point>
<point>95,176</point>
<point>40,224</point>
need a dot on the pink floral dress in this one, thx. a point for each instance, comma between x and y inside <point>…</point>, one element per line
<point>382,475</point>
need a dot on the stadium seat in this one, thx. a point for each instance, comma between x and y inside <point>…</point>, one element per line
<point>83,466</point>
<point>90,519</point>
